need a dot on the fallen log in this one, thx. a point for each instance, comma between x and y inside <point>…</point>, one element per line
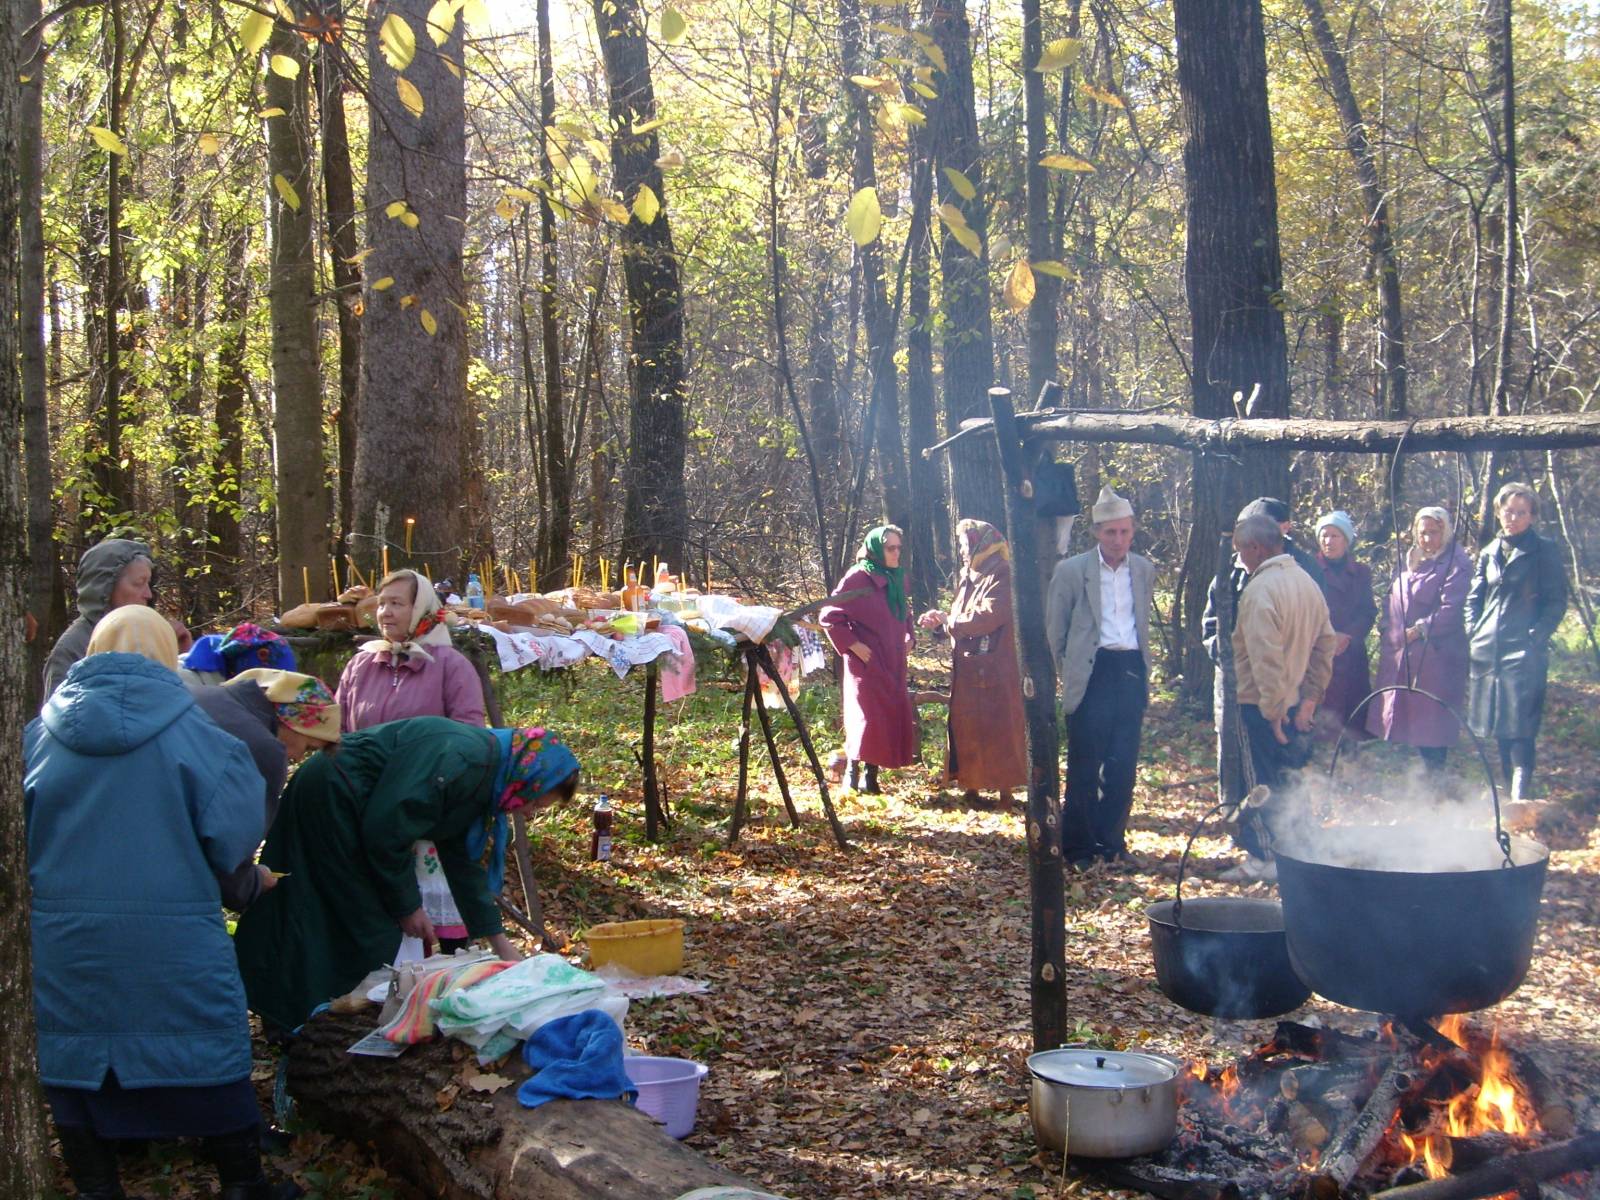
<point>1509,1174</point>
<point>1358,1139</point>
<point>444,1140</point>
<point>1167,1185</point>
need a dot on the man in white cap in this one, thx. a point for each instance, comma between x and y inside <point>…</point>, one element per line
<point>1098,623</point>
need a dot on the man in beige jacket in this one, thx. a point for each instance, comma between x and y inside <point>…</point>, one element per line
<point>1283,658</point>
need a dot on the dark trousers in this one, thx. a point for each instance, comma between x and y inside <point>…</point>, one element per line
<point>1516,753</point>
<point>1272,761</point>
<point>1102,756</point>
<point>1433,757</point>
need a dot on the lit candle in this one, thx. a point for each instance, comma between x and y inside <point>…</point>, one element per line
<point>427,573</point>
<point>386,560</point>
<point>411,523</point>
<point>305,582</point>
<point>333,569</point>
<point>505,570</point>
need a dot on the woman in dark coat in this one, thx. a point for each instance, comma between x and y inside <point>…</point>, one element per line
<point>1347,584</point>
<point>874,633</point>
<point>343,839</point>
<point>1518,597</point>
<point>988,731</point>
<point>1422,643</point>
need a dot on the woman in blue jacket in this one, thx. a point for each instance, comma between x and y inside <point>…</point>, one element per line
<point>135,803</point>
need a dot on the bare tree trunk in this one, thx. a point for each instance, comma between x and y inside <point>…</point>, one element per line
<point>299,470</point>
<point>46,595</point>
<point>413,409</point>
<point>656,515</point>
<point>24,1167</point>
<point>822,364</point>
<point>338,184</point>
<point>1233,277</point>
<point>929,533</point>
<point>1043,319</point>
<point>968,332</point>
<point>227,468</point>
<point>1506,342</point>
<point>556,520</point>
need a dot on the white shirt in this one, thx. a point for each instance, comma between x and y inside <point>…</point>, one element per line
<point>1118,630</point>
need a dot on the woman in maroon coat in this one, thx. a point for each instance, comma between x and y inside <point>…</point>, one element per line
<point>1422,642</point>
<point>873,632</point>
<point>1348,586</point>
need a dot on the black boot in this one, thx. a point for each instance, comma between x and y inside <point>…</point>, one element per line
<point>91,1162</point>
<point>872,780</point>
<point>855,776</point>
<point>237,1157</point>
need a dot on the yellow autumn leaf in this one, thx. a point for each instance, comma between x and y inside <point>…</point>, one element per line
<point>923,90</point>
<point>911,114</point>
<point>208,144</point>
<point>287,192</point>
<point>613,210</point>
<point>410,98</point>
<point>410,219</point>
<point>670,160</point>
<point>504,209</point>
<point>1020,286</point>
<point>475,13</point>
<point>359,257</point>
<point>441,21</point>
<point>649,126</point>
<point>394,208</point>
<point>961,183</point>
<point>1109,98</point>
<point>384,284</point>
<point>520,193</point>
<point>397,42</point>
<point>1059,55</point>
<point>646,205</point>
<point>106,140</point>
<point>1050,266</point>
<point>460,308</point>
<point>1065,162</point>
<point>674,28</point>
<point>864,217</point>
<point>930,48</point>
<point>956,222</point>
<point>428,323</point>
<point>254,31</point>
<point>284,66</point>
<point>408,301</point>
<point>891,30</point>
<point>266,113</point>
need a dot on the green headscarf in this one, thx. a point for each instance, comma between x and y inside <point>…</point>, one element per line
<point>871,561</point>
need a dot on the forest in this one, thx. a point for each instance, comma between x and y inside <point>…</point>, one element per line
<point>303,288</point>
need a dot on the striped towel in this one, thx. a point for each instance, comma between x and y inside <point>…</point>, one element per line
<point>414,1022</point>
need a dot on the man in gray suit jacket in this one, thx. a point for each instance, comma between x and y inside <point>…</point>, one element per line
<point>1098,622</point>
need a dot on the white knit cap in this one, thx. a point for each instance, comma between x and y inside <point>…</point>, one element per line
<point>1110,507</point>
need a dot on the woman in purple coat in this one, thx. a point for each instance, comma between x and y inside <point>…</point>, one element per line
<point>874,632</point>
<point>1423,642</point>
<point>1348,586</point>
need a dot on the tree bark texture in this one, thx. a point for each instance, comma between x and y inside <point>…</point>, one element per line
<point>297,439</point>
<point>1043,321</point>
<point>46,593</point>
<point>656,513</point>
<point>24,1167</point>
<point>452,1143</point>
<point>410,419</point>
<point>1233,273</point>
<point>344,242</point>
<point>1506,340</point>
<point>929,534</point>
<point>556,525</point>
<point>227,465</point>
<point>968,330</point>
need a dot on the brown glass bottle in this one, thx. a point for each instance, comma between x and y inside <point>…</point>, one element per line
<point>600,838</point>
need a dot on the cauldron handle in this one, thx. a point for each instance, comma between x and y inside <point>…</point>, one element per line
<point>1183,861</point>
<point>1501,837</point>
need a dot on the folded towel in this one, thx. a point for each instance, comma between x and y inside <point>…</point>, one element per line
<point>414,1022</point>
<point>575,1058</point>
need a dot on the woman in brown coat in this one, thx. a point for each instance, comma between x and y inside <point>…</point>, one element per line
<point>988,738</point>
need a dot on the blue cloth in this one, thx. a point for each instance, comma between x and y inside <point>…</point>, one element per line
<point>575,1058</point>
<point>135,801</point>
<point>206,655</point>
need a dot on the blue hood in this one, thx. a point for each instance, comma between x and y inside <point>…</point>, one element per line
<point>113,703</point>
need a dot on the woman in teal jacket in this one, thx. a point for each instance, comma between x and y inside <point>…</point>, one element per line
<point>135,803</point>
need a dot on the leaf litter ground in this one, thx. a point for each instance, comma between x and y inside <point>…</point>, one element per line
<point>868,1022</point>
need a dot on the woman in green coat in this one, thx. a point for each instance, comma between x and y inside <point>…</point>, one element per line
<point>343,841</point>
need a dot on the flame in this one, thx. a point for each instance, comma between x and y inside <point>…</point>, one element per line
<point>1228,1082</point>
<point>1454,1027</point>
<point>1496,1104</point>
<point>1198,1069</point>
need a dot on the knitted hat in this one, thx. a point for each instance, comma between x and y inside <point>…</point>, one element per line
<point>1109,507</point>
<point>304,702</point>
<point>1341,521</point>
<point>1266,506</point>
<point>136,629</point>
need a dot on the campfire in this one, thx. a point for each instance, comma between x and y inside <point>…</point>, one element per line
<point>1319,1114</point>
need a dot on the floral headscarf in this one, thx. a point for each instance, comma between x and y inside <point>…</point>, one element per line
<point>247,646</point>
<point>871,561</point>
<point>427,622</point>
<point>532,762</point>
<point>980,541</point>
<point>304,702</point>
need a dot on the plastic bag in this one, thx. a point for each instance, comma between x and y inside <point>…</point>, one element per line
<point>495,1015</point>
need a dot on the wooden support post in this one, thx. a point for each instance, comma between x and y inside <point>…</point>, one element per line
<point>772,753</point>
<point>653,816</point>
<point>764,659</point>
<point>1047,971</point>
<point>739,799</point>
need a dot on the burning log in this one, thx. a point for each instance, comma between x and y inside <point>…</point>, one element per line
<point>1510,1173</point>
<point>1166,1184</point>
<point>1315,1080</point>
<point>1324,1045</point>
<point>1358,1139</point>
<point>1469,1152</point>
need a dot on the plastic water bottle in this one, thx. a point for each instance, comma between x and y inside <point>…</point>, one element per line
<point>600,839</point>
<point>474,591</point>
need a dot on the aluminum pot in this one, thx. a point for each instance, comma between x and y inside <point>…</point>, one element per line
<point>1103,1103</point>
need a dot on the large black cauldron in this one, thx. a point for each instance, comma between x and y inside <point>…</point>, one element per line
<point>1368,927</point>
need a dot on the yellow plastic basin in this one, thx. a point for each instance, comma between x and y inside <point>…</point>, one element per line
<point>644,947</point>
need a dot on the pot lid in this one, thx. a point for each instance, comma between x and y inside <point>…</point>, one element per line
<point>1087,1067</point>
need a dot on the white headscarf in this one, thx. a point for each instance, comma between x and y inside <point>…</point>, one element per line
<point>424,611</point>
<point>1414,556</point>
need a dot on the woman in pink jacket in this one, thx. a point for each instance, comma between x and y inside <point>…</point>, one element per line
<point>412,670</point>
